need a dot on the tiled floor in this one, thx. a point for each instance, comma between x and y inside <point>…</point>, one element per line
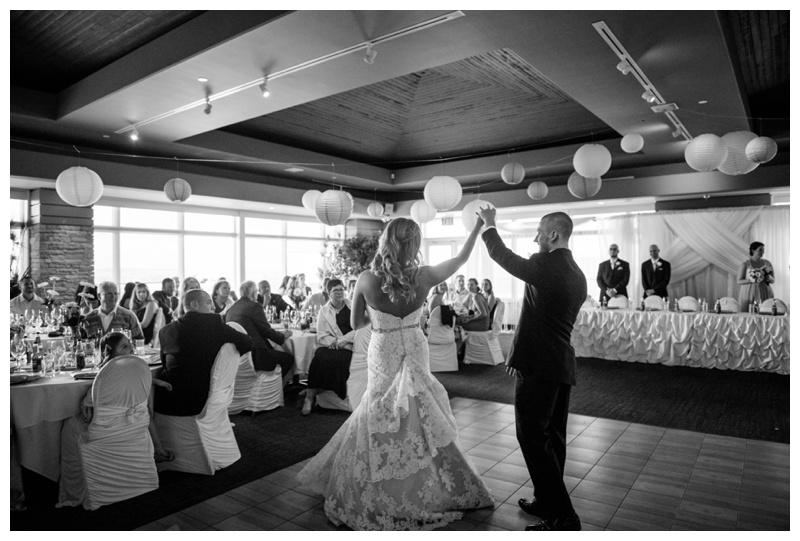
<point>621,476</point>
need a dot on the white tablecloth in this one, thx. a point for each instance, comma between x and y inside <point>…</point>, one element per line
<point>726,341</point>
<point>301,345</point>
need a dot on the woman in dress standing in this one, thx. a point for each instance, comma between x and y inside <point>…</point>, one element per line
<point>755,276</point>
<point>397,463</point>
<point>146,308</point>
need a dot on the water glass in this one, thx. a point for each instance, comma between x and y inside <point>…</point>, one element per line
<point>139,345</point>
<point>48,364</point>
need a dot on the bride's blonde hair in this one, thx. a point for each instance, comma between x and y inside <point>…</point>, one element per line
<point>397,260</point>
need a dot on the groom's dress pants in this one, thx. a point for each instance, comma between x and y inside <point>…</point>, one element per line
<point>542,408</point>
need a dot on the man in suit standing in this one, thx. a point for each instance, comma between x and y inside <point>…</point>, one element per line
<point>613,275</point>
<point>543,361</point>
<point>250,315</point>
<point>655,274</point>
<point>189,347</point>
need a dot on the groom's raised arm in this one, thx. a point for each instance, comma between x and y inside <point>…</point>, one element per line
<point>512,263</point>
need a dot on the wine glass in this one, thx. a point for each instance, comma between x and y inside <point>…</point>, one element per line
<point>703,306</point>
<point>295,319</point>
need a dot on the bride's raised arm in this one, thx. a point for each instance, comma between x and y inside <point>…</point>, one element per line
<point>441,272</point>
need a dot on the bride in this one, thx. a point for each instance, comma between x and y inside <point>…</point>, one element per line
<point>397,463</point>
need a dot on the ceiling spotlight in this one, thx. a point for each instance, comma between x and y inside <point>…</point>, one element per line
<point>264,89</point>
<point>134,135</point>
<point>207,110</point>
<point>369,56</point>
<point>202,79</point>
<point>624,67</point>
<point>648,96</point>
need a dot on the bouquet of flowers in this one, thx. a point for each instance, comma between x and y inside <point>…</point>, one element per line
<point>297,295</point>
<point>51,293</point>
<point>755,275</point>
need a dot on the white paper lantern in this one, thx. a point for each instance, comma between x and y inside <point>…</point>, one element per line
<point>333,207</point>
<point>310,199</point>
<point>737,162</point>
<point>537,190</point>
<point>582,187</point>
<point>761,149</point>
<point>512,173</point>
<point>592,161</point>
<point>79,186</point>
<point>705,152</point>
<point>375,209</point>
<point>422,212</point>
<point>633,142</point>
<point>468,215</point>
<point>443,193</point>
<point>177,190</point>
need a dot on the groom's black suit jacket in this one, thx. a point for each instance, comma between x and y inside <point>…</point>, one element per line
<point>656,279</point>
<point>555,289</point>
<point>616,278</point>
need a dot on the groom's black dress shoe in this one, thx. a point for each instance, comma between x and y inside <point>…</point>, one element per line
<point>572,524</point>
<point>532,507</point>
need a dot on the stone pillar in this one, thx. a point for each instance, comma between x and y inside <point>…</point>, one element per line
<point>61,242</point>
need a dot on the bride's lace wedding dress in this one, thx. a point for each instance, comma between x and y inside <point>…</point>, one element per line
<point>396,463</point>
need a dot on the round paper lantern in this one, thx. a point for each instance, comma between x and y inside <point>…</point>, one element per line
<point>310,199</point>
<point>79,186</point>
<point>468,215</point>
<point>443,193</point>
<point>582,187</point>
<point>177,190</point>
<point>422,212</point>
<point>375,210</point>
<point>512,173</point>
<point>705,152</point>
<point>737,162</point>
<point>633,142</point>
<point>592,161</point>
<point>333,207</point>
<point>537,190</point>
<point>761,149</point>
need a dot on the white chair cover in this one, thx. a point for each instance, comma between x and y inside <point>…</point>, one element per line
<point>255,390</point>
<point>484,347</point>
<point>654,302</point>
<point>160,320</point>
<point>245,378</point>
<point>112,459</point>
<point>441,344</point>
<point>729,305</point>
<point>204,443</point>
<point>766,307</point>
<point>688,304</point>
<point>357,382</point>
<point>618,301</point>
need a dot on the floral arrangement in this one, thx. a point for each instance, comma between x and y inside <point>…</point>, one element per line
<point>759,275</point>
<point>51,293</point>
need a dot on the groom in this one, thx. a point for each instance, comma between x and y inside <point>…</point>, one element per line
<point>543,361</point>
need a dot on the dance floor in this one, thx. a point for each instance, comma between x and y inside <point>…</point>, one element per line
<point>621,476</point>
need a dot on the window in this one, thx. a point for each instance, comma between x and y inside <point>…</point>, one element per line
<point>305,229</point>
<point>305,256</point>
<point>103,216</point>
<point>265,260</point>
<point>261,226</point>
<point>104,257</point>
<point>146,257</point>
<point>212,223</point>
<point>210,258</point>
<point>148,219</point>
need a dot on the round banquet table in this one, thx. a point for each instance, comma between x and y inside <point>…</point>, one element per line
<point>301,345</point>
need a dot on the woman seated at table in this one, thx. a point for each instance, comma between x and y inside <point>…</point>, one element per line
<point>189,283</point>
<point>440,329</point>
<point>221,297</point>
<point>146,308</point>
<point>755,276</point>
<point>491,300</point>
<point>477,316</point>
<point>330,367</point>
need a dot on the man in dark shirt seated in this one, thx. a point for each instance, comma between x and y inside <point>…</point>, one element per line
<point>189,347</point>
<point>166,299</point>
<point>272,299</point>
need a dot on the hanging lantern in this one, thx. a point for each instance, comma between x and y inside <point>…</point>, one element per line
<point>310,199</point>
<point>761,149</point>
<point>512,173</point>
<point>582,187</point>
<point>375,209</point>
<point>592,161</point>
<point>177,190</point>
<point>333,207</point>
<point>737,162</point>
<point>79,186</point>
<point>705,152</point>
<point>537,190</point>
<point>633,142</point>
<point>443,193</point>
<point>469,214</point>
<point>422,212</point>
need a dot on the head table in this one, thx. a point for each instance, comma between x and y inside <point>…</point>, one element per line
<point>741,341</point>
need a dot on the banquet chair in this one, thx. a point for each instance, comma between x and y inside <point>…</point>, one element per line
<point>441,344</point>
<point>766,307</point>
<point>618,301</point>
<point>357,381</point>
<point>654,303</point>
<point>688,304</point>
<point>111,459</point>
<point>483,347</point>
<point>204,443</point>
<point>255,390</point>
<point>728,305</point>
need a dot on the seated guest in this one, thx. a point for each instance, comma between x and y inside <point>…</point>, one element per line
<point>301,283</point>
<point>127,293</point>
<point>267,298</point>
<point>459,296</point>
<point>231,293</point>
<point>28,299</point>
<point>655,274</point>
<point>109,315</point>
<point>613,275</point>
<point>189,347</point>
<point>330,367</point>
<point>189,284</point>
<point>491,300</point>
<point>146,309</point>
<point>221,296</point>
<point>86,297</point>
<point>166,299</point>
<point>477,316</point>
<point>318,300</point>
<point>283,288</point>
<point>250,315</point>
<point>294,296</point>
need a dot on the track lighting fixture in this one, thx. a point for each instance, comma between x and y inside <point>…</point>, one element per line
<point>648,96</point>
<point>134,135</point>
<point>624,67</point>
<point>369,56</point>
<point>264,89</point>
<point>207,110</point>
